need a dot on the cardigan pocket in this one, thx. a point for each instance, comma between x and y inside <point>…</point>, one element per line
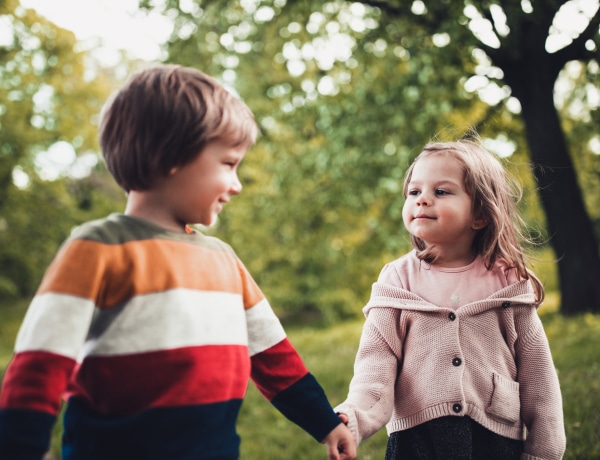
<point>506,402</point>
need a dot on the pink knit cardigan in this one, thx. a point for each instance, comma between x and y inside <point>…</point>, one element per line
<point>489,360</point>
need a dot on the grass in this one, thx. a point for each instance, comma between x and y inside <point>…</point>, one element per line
<point>575,344</point>
<point>329,354</point>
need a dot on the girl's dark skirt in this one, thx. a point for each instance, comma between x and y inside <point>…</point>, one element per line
<point>451,438</point>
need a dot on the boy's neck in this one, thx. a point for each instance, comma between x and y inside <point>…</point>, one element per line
<point>143,205</point>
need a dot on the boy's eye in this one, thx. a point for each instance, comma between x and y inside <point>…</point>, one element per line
<point>441,192</point>
<point>413,192</point>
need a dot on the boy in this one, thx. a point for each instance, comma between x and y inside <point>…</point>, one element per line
<point>150,329</point>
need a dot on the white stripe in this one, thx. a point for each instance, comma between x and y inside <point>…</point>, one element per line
<point>57,323</point>
<point>171,319</point>
<point>264,328</point>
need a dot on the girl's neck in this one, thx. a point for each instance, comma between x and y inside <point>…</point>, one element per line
<point>453,260</point>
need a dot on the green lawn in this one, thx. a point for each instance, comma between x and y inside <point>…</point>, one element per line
<point>329,354</point>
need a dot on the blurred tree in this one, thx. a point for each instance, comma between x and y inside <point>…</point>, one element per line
<point>321,208</point>
<point>48,108</point>
<point>531,71</point>
<point>580,117</point>
<point>342,88</point>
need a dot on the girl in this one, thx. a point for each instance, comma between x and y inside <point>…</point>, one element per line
<point>453,356</point>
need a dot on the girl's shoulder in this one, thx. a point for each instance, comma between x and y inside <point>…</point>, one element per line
<point>398,271</point>
<point>506,271</point>
<point>408,260</point>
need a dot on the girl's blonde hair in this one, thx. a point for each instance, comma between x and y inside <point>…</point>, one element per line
<point>495,194</point>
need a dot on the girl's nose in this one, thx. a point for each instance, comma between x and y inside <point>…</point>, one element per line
<point>423,200</point>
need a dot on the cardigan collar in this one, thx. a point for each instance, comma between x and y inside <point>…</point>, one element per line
<point>389,296</point>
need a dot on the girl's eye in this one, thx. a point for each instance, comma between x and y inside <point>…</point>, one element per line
<point>413,192</point>
<point>441,192</point>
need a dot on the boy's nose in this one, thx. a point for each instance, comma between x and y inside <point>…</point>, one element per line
<point>236,186</point>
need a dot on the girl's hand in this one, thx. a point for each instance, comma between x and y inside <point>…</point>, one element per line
<point>340,443</point>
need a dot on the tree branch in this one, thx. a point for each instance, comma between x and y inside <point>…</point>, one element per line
<point>576,49</point>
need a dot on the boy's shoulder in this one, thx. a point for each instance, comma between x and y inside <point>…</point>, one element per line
<point>120,229</point>
<point>104,230</point>
<point>115,229</point>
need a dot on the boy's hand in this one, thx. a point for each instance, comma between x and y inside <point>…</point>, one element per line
<point>340,443</point>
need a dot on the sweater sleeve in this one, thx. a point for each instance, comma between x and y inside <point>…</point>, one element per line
<point>371,395</point>
<point>280,375</point>
<point>48,343</point>
<point>541,401</point>
<point>278,370</point>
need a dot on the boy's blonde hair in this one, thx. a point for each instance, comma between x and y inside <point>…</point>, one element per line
<point>163,117</point>
<point>495,194</point>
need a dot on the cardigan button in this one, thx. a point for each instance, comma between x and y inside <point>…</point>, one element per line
<point>451,316</point>
<point>505,304</point>
<point>456,362</point>
<point>457,408</point>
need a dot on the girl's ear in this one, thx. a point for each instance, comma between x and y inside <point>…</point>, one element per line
<point>478,224</point>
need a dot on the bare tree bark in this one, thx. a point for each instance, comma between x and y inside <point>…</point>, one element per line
<point>531,72</point>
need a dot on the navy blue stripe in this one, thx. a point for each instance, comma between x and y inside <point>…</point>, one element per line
<point>305,404</point>
<point>24,434</point>
<point>205,432</point>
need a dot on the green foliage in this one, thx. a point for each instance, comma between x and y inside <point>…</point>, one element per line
<point>581,122</point>
<point>46,97</point>
<point>40,217</point>
<point>321,209</point>
<point>345,94</point>
<point>12,315</point>
<point>543,263</point>
<point>37,220</point>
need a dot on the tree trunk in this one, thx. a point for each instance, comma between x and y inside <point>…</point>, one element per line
<point>569,226</point>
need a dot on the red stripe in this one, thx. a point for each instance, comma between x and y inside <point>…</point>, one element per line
<point>35,380</point>
<point>277,368</point>
<point>126,384</point>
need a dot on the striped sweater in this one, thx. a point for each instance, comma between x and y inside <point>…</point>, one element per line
<point>151,336</point>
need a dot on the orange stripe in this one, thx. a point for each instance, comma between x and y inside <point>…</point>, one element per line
<point>252,293</point>
<point>112,274</point>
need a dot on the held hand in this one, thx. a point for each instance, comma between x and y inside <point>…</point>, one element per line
<point>340,444</point>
